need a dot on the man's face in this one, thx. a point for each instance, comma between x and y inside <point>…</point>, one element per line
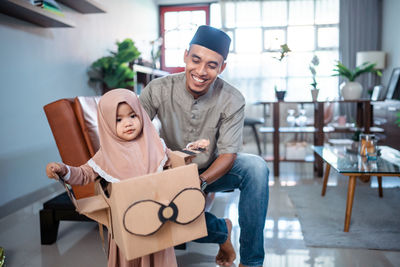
<point>202,68</point>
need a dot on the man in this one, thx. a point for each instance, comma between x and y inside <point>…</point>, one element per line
<point>197,104</point>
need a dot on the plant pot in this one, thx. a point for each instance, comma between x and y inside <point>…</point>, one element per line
<point>351,90</point>
<point>314,94</point>
<point>280,95</point>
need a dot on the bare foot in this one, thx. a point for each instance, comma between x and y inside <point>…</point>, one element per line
<point>226,254</point>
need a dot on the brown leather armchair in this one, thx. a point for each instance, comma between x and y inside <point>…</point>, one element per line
<point>73,123</point>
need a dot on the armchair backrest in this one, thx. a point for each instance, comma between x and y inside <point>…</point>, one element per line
<point>73,123</point>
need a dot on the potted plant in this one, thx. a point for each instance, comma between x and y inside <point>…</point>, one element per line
<point>114,71</point>
<point>352,90</point>
<point>156,52</point>
<point>313,64</point>
<point>284,51</point>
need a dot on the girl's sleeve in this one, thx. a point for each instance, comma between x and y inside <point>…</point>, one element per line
<point>81,175</point>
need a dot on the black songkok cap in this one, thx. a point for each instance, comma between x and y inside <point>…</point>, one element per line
<point>212,39</point>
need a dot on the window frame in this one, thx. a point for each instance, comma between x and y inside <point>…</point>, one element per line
<point>284,27</point>
<point>177,8</point>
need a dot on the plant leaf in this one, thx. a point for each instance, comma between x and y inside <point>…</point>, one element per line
<point>364,68</point>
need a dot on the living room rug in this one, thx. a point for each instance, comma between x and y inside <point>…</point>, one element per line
<point>375,222</point>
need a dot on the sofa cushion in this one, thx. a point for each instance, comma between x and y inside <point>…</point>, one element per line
<point>86,113</point>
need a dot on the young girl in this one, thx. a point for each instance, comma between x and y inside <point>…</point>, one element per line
<point>129,147</point>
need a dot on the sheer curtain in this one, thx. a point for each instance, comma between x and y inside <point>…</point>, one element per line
<point>360,30</point>
<point>258,28</point>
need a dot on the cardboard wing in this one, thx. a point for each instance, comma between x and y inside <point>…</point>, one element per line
<point>96,208</point>
<point>180,158</point>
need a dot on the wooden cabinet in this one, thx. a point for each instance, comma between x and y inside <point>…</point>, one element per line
<point>319,130</point>
<point>385,116</point>
<point>24,10</point>
<point>144,75</point>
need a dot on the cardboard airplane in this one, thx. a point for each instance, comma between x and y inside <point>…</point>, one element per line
<point>149,213</point>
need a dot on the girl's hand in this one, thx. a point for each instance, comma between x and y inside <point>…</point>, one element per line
<point>54,170</point>
<point>168,163</point>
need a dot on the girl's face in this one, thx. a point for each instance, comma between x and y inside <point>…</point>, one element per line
<point>129,126</point>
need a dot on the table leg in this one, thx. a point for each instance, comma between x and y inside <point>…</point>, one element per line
<point>319,136</point>
<point>380,186</point>
<point>367,117</point>
<point>360,115</point>
<point>349,205</point>
<point>276,137</point>
<point>326,176</point>
<point>265,124</point>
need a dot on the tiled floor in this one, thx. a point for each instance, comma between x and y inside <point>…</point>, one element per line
<point>79,243</point>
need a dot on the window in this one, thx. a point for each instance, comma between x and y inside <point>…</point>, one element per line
<point>178,25</point>
<point>258,28</point>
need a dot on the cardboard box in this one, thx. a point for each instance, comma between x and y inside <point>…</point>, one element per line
<point>149,213</point>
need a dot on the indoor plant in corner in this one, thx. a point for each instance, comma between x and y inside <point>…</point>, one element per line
<point>114,71</point>
<point>352,90</point>
<point>313,64</point>
<point>283,52</point>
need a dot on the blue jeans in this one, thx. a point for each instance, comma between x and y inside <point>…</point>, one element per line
<point>250,174</point>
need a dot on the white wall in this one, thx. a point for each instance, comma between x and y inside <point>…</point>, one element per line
<point>391,36</point>
<point>39,65</point>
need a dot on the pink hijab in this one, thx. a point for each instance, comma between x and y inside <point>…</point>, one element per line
<point>119,159</point>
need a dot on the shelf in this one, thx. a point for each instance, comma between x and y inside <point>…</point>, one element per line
<point>308,158</point>
<point>25,11</point>
<point>317,128</point>
<point>297,130</point>
<point>327,129</point>
<point>288,130</point>
<point>264,102</point>
<point>84,6</point>
<point>266,129</point>
<point>144,75</point>
<point>147,70</point>
<point>330,129</point>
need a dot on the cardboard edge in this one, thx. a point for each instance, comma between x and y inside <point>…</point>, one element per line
<point>179,158</point>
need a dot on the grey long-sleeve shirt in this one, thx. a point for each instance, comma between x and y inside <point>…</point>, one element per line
<point>218,115</point>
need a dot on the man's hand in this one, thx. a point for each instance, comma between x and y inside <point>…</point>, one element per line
<point>54,170</point>
<point>199,145</point>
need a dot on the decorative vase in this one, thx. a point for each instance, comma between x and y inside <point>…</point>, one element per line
<point>291,119</point>
<point>314,94</point>
<point>351,90</point>
<point>301,120</point>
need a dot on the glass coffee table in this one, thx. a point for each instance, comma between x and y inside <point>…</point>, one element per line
<point>351,164</point>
